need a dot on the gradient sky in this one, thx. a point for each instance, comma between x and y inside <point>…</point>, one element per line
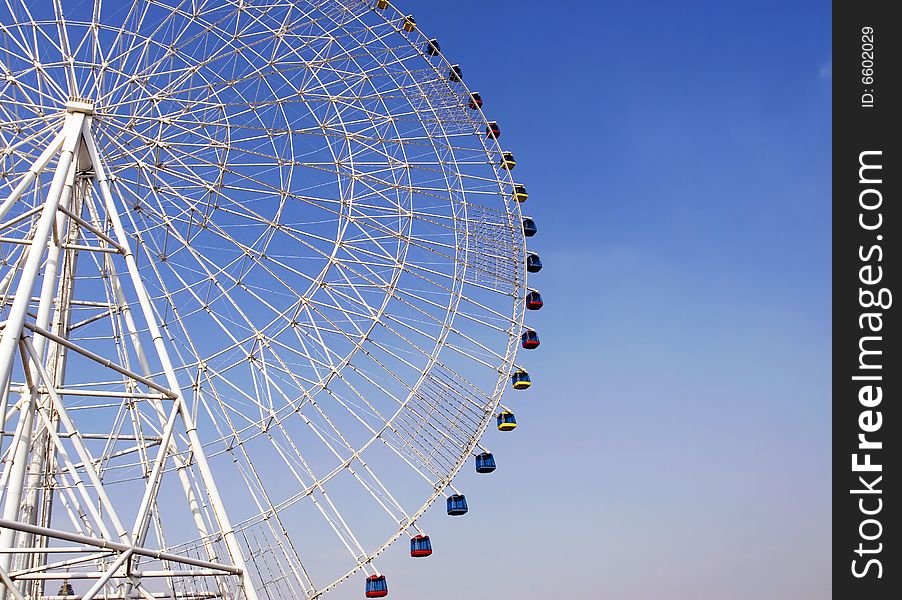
<point>676,442</point>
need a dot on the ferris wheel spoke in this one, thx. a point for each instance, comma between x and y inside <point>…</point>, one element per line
<point>478,318</point>
<point>226,296</point>
<point>387,426</point>
<point>372,409</point>
<point>377,284</point>
<point>30,99</point>
<point>328,511</point>
<point>277,527</point>
<point>422,419</point>
<point>127,32</point>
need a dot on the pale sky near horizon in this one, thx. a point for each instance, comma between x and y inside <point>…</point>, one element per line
<point>676,443</point>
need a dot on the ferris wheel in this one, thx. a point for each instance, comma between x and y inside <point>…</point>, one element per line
<point>263,281</point>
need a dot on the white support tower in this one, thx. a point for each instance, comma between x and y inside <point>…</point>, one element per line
<point>79,216</point>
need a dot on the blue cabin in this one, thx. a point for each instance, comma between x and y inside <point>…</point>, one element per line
<point>485,462</point>
<point>534,300</point>
<point>529,227</point>
<point>376,586</point>
<point>530,339</point>
<point>420,546</point>
<point>457,505</point>
<point>455,73</point>
<point>533,262</point>
<point>432,48</point>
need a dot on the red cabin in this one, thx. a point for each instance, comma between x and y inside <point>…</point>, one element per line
<point>492,130</point>
<point>530,339</point>
<point>376,586</point>
<point>420,546</point>
<point>534,301</point>
<point>475,101</point>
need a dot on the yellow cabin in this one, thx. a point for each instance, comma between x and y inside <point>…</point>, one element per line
<point>507,161</point>
<point>520,380</point>
<point>381,4</point>
<point>506,421</point>
<point>520,194</point>
<point>409,23</point>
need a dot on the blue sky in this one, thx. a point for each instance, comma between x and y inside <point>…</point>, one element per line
<point>676,442</point>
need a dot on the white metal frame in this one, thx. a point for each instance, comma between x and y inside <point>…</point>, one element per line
<point>392,351</point>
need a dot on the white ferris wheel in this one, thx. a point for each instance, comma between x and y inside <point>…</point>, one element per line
<point>263,279</point>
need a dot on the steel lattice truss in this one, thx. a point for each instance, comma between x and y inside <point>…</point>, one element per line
<point>262,284</point>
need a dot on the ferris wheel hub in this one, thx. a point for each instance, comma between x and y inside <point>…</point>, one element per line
<point>82,105</point>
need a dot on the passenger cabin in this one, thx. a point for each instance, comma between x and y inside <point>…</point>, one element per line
<point>432,48</point>
<point>420,546</point>
<point>455,73</point>
<point>529,227</point>
<point>381,4</point>
<point>520,379</point>
<point>485,462</point>
<point>534,300</point>
<point>520,194</point>
<point>506,421</point>
<point>475,101</point>
<point>530,339</point>
<point>492,130</point>
<point>457,505</point>
<point>507,161</point>
<point>409,23</point>
<point>533,262</point>
<point>376,586</point>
